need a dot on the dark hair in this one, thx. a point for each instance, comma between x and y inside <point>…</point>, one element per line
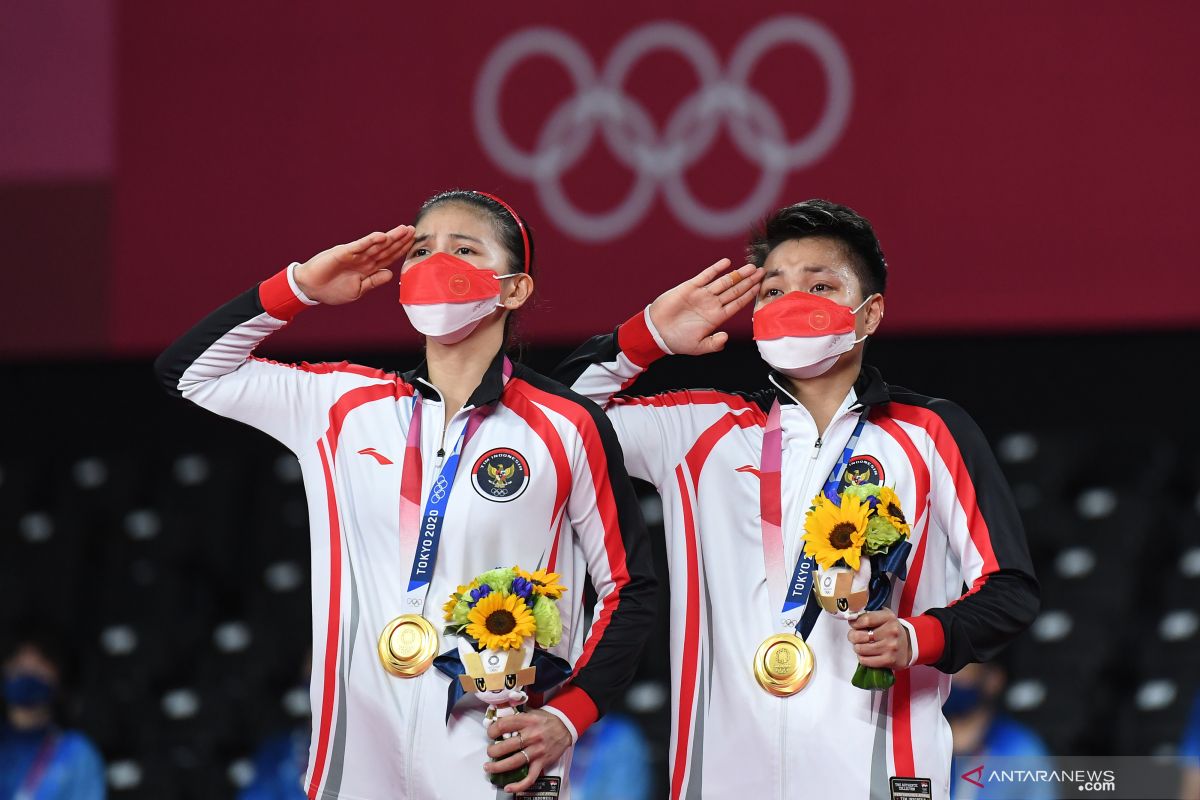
<point>822,218</point>
<point>514,232</point>
<point>41,635</point>
<point>508,223</point>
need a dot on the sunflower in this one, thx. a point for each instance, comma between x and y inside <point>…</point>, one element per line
<point>836,533</point>
<point>889,508</point>
<point>544,583</point>
<point>500,621</point>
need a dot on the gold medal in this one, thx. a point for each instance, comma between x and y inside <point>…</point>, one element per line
<point>783,664</point>
<point>408,645</point>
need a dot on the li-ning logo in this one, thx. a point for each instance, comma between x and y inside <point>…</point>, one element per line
<point>662,158</point>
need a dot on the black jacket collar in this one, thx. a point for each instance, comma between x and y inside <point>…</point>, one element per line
<point>487,392</point>
<point>870,388</point>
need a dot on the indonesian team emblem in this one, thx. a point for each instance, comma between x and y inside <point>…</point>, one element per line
<point>501,474</point>
<point>863,470</point>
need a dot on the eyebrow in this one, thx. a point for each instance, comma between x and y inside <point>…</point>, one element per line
<point>775,272</point>
<point>425,236</point>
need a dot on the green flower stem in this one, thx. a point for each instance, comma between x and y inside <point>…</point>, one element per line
<point>873,678</point>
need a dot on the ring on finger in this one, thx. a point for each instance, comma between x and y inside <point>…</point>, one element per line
<point>870,634</point>
<point>527,759</point>
<point>521,740</point>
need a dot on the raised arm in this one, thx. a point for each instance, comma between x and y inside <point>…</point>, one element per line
<point>213,365</point>
<point>654,432</point>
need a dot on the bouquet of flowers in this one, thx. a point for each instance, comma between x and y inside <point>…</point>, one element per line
<point>497,617</point>
<point>859,539</point>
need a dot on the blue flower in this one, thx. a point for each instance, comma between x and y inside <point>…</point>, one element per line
<point>477,594</point>
<point>523,589</point>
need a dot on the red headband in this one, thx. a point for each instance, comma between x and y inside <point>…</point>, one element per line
<point>516,219</point>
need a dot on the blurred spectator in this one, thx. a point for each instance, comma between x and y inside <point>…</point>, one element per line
<point>279,767</point>
<point>282,760</point>
<point>611,761</point>
<point>1189,749</point>
<point>980,730</point>
<point>39,760</point>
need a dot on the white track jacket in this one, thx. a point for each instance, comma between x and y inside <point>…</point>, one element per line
<point>702,449</point>
<point>568,506</point>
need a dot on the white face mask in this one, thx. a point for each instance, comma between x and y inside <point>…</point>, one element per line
<point>446,297</point>
<point>802,335</point>
<point>447,323</point>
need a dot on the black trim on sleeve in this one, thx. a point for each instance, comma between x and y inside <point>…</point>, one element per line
<point>596,350</point>
<point>615,658</point>
<point>980,625</point>
<point>175,360</point>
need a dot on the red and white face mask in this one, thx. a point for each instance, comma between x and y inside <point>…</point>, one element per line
<point>803,334</point>
<point>446,297</point>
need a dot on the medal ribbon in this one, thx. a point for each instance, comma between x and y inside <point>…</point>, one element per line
<point>423,534</point>
<point>37,771</point>
<point>795,594</point>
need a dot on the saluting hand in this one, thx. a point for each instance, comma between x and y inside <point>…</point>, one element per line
<point>688,315</point>
<point>344,273</point>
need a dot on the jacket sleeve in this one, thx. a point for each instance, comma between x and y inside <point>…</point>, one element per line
<point>973,506</point>
<point>213,366</point>
<point>655,432</point>
<point>603,511</point>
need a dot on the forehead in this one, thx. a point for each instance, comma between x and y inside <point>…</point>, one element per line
<point>456,218</point>
<point>816,254</point>
<point>28,656</point>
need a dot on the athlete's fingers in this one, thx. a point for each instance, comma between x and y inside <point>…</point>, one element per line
<point>505,747</point>
<point>858,636</point>
<point>872,619</point>
<point>376,279</point>
<point>386,257</point>
<point>535,772</point>
<point>738,283</point>
<point>714,343</point>
<point>515,760</point>
<point>868,649</point>
<point>365,243</point>
<point>881,662</point>
<point>710,273</point>
<point>401,232</point>
<point>504,725</point>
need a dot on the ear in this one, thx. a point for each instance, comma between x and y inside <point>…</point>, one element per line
<point>517,291</point>
<point>873,314</point>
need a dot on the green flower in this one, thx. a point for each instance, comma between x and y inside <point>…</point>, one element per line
<point>881,535</point>
<point>549,623</point>
<point>500,579</point>
<point>458,615</point>
<point>861,492</point>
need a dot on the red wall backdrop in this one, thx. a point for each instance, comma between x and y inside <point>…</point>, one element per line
<point>1028,166</point>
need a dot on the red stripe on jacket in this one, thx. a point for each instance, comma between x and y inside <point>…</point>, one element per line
<point>614,546</point>
<point>951,456</point>
<point>537,420</point>
<point>332,625</point>
<point>355,398</point>
<point>691,641</point>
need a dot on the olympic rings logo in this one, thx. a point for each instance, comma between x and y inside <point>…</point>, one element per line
<point>660,159</point>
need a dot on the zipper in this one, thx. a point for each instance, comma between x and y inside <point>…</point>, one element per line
<point>811,464</point>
